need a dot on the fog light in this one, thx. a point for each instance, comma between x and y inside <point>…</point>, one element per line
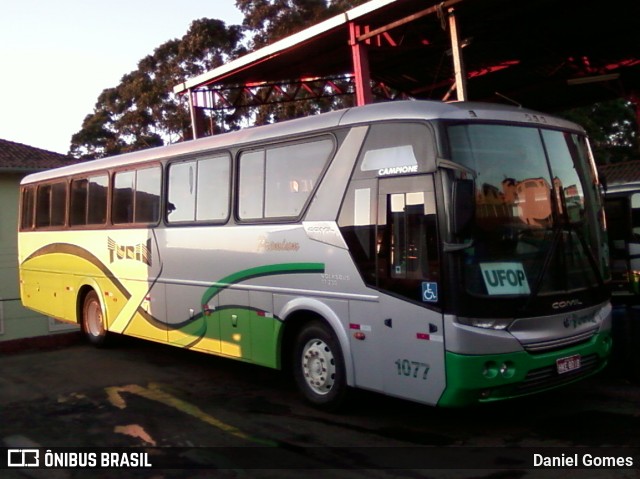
<point>507,369</point>
<point>490,370</point>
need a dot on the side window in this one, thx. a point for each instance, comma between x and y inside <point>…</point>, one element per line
<point>97,200</point>
<point>78,205</point>
<point>251,188</point>
<point>214,189</point>
<point>88,204</point>
<point>199,190</point>
<point>277,182</point>
<point>123,191</point>
<point>147,200</point>
<point>51,203</point>
<point>136,196</point>
<point>28,202</point>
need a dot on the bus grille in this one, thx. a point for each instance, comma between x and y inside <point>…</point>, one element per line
<point>545,346</point>
<point>548,376</point>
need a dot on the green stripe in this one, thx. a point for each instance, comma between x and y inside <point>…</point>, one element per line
<point>260,271</point>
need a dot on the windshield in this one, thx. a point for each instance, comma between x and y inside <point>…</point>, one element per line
<point>536,228</point>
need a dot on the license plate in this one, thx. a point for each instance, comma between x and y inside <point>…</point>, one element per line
<point>570,363</point>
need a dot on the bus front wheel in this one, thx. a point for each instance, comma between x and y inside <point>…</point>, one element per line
<point>93,320</point>
<point>318,366</point>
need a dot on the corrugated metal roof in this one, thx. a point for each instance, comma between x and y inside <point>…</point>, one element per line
<point>19,157</point>
<point>547,55</point>
<point>621,173</point>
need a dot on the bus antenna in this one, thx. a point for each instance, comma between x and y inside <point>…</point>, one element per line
<point>511,100</point>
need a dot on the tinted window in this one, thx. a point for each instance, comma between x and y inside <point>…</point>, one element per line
<point>123,191</point>
<point>28,200</point>
<point>88,201</point>
<point>147,198</point>
<point>136,196</point>
<point>97,200</point>
<point>51,205</point>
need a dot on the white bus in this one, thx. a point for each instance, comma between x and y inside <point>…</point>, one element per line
<point>448,254</point>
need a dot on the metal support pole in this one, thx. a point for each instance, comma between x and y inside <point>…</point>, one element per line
<point>192,112</point>
<point>360,67</point>
<point>458,64</point>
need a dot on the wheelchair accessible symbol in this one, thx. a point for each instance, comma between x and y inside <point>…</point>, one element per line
<point>429,292</point>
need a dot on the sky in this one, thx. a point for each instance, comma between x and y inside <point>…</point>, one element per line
<point>57,56</point>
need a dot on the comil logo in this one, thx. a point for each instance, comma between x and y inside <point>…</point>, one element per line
<point>23,458</point>
<point>566,304</point>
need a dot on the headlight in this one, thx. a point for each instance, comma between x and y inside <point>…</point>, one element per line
<point>487,323</point>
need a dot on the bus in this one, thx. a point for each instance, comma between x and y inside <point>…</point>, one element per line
<point>622,207</point>
<point>444,253</point>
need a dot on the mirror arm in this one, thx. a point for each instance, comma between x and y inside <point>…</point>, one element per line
<point>454,247</point>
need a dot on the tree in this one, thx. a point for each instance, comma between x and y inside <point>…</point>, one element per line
<point>141,111</point>
<point>612,128</point>
<point>268,21</point>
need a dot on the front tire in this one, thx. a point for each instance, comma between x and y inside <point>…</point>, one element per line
<point>93,320</point>
<point>318,366</point>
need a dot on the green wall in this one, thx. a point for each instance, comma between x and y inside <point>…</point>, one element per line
<point>16,322</point>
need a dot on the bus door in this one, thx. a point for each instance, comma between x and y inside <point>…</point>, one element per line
<point>408,269</point>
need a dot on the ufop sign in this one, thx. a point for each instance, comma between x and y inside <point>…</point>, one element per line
<point>505,278</point>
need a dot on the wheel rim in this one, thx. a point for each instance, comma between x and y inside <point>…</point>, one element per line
<point>93,319</point>
<point>318,366</point>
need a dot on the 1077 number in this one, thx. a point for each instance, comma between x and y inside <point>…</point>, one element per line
<point>413,369</point>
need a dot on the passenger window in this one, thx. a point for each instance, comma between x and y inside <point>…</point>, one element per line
<point>78,206</point>
<point>251,189</point>
<point>28,201</point>
<point>123,191</point>
<point>214,182</point>
<point>136,196</point>
<point>181,204</point>
<point>51,205</point>
<point>89,201</point>
<point>147,209</point>
<point>277,182</point>
<point>97,200</point>
<point>199,190</point>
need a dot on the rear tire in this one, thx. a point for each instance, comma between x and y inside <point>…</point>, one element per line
<point>318,367</point>
<point>93,320</point>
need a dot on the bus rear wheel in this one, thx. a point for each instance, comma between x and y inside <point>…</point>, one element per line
<point>318,366</point>
<point>93,320</point>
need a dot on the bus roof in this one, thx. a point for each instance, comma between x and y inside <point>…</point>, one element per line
<point>397,110</point>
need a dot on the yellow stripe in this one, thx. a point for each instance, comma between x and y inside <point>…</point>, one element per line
<point>154,393</point>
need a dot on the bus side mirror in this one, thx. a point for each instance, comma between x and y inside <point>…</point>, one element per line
<point>463,207</point>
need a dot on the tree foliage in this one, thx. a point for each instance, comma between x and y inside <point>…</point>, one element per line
<point>612,128</point>
<point>141,111</point>
<point>268,21</point>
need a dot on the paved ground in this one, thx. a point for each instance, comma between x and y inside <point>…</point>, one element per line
<point>142,394</point>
